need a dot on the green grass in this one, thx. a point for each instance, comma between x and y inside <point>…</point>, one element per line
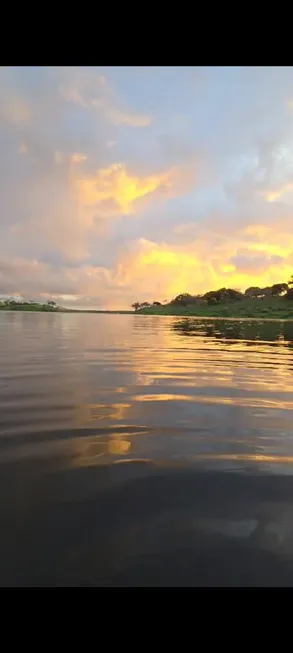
<point>277,308</point>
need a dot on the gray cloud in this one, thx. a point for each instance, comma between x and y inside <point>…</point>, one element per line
<point>246,261</point>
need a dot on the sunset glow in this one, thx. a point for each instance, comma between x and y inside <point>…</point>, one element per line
<point>139,183</point>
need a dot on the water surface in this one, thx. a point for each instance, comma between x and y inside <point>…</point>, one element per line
<point>141,450</point>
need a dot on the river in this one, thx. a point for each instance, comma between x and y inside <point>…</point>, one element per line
<point>145,450</point>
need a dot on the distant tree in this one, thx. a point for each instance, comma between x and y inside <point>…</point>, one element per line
<point>222,295</point>
<point>211,300</point>
<point>267,291</point>
<point>233,295</point>
<point>278,289</point>
<point>254,292</point>
<point>184,299</point>
<point>51,303</point>
<point>215,296</point>
<point>289,294</point>
<point>157,304</point>
<point>138,305</point>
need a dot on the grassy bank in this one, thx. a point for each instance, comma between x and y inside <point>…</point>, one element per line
<point>44,308</point>
<point>277,308</point>
<point>274,308</point>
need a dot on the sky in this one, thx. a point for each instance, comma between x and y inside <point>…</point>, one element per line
<point>124,184</point>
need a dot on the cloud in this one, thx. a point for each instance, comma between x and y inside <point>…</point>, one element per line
<point>275,194</point>
<point>57,157</point>
<point>62,209</point>
<point>91,91</point>
<point>14,108</point>
<point>34,279</point>
<point>249,262</point>
<point>23,148</point>
<point>200,197</point>
<point>117,189</point>
<point>77,157</point>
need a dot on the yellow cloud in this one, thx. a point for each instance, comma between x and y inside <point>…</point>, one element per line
<point>117,185</point>
<point>271,196</point>
<point>158,271</point>
<point>227,268</point>
<point>163,256</point>
<point>257,230</point>
<point>274,250</point>
<point>77,157</point>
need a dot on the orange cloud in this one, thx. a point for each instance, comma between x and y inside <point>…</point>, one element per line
<point>77,157</point>
<point>159,271</point>
<point>155,271</point>
<point>275,194</point>
<point>65,209</point>
<point>121,188</point>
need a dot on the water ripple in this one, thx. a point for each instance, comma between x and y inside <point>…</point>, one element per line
<point>96,389</point>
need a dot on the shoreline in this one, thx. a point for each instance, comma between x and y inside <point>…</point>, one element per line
<point>264,317</point>
<point>271,308</point>
<point>61,310</point>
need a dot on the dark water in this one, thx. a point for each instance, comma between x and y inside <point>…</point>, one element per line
<point>144,450</point>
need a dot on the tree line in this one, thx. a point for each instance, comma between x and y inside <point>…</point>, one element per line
<point>20,304</point>
<point>226,294</point>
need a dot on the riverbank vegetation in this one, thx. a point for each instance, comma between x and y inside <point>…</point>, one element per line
<point>49,307</point>
<point>14,305</point>
<point>275,302</point>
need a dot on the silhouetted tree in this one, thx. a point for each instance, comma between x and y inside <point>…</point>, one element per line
<point>278,288</point>
<point>211,300</point>
<point>289,294</point>
<point>253,291</point>
<point>266,292</point>
<point>233,295</point>
<point>184,299</point>
<point>135,305</point>
<point>223,294</point>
